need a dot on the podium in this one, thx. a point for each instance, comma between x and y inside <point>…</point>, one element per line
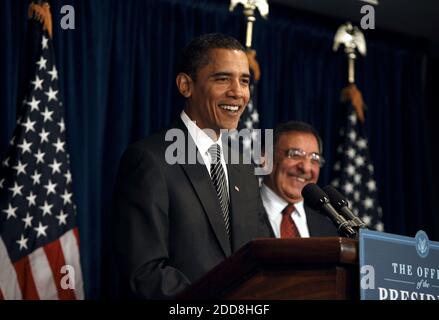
<point>284,269</point>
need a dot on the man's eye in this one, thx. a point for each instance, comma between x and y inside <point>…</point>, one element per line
<point>245,81</point>
<point>222,79</point>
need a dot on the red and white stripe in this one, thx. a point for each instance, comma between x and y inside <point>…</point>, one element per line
<point>38,276</point>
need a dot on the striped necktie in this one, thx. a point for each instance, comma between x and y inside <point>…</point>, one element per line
<point>219,181</point>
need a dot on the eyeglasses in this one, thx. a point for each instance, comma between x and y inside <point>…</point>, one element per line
<point>299,154</point>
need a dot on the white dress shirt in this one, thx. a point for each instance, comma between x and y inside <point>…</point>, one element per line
<point>203,142</point>
<point>274,205</point>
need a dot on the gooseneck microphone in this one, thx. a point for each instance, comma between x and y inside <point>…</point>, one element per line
<point>340,203</point>
<point>317,199</point>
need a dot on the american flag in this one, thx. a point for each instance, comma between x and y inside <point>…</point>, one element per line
<point>355,173</point>
<point>39,242</point>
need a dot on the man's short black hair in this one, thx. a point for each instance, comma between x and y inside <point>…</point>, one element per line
<point>296,126</point>
<point>195,55</point>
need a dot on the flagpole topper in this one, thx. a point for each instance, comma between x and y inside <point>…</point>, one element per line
<point>41,12</point>
<point>352,39</point>
<point>249,11</point>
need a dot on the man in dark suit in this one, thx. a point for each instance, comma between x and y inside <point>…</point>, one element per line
<point>179,208</point>
<point>297,159</point>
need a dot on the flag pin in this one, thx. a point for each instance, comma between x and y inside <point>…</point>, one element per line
<point>236,188</point>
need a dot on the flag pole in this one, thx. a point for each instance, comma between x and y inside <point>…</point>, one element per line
<point>249,122</point>
<point>354,170</point>
<point>353,40</point>
<point>250,6</point>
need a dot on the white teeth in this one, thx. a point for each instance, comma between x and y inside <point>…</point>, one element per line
<point>230,108</point>
<point>299,179</point>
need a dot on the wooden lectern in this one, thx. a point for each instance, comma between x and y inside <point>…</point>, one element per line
<point>284,269</point>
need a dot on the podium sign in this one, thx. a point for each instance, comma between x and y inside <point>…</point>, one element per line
<point>396,267</point>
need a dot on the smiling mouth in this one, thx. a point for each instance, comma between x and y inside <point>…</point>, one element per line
<point>299,179</point>
<point>229,107</point>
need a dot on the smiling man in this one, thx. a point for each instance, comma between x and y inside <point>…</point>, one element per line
<point>297,159</point>
<point>175,222</point>
<point>219,92</point>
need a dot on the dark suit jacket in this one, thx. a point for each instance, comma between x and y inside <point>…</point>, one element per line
<point>319,225</point>
<point>169,229</point>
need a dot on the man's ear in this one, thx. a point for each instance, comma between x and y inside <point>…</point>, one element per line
<point>184,84</point>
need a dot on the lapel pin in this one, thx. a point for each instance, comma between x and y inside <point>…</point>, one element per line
<point>236,188</point>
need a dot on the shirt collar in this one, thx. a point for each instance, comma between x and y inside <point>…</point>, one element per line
<point>276,204</point>
<point>201,139</point>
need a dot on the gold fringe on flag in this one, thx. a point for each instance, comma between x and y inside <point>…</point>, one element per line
<point>352,94</point>
<point>41,13</point>
<point>253,64</point>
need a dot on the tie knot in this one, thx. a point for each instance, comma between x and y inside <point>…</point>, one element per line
<point>215,153</point>
<point>288,209</point>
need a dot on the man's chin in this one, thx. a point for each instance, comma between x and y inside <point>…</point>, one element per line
<point>296,186</point>
<point>293,197</point>
<point>229,125</point>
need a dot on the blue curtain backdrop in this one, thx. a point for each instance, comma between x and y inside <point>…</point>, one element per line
<point>117,71</point>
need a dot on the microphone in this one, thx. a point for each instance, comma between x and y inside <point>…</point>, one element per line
<point>341,204</point>
<point>317,199</point>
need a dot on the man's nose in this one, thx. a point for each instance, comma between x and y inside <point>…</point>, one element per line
<point>236,89</point>
<point>305,165</point>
